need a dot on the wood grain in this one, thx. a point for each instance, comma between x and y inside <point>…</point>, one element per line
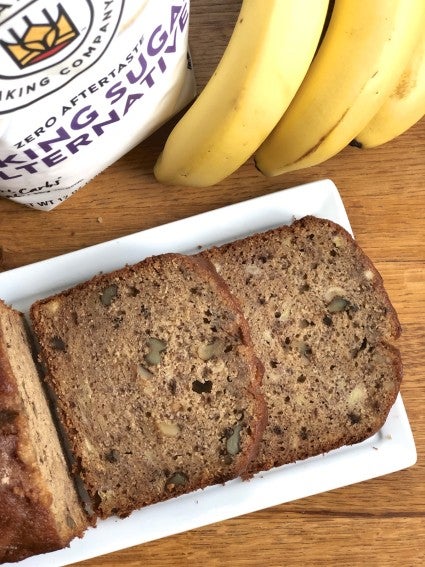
<point>380,522</point>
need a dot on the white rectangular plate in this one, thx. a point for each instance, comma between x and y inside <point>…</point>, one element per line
<point>391,449</point>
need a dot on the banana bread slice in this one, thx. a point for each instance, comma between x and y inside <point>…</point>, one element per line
<point>321,323</point>
<point>157,384</point>
<point>39,508</point>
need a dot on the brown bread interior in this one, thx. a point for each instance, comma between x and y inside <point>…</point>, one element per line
<point>322,324</point>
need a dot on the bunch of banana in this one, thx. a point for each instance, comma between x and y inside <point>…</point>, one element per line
<point>403,108</point>
<point>295,86</point>
<point>365,50</point>
<point>265,61</point>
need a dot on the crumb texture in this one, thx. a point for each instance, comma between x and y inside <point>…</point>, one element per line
<point>322,324</point>
<point>39,509</point>
<point>156,381</point>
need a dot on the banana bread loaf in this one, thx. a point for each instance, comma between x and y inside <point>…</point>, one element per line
<point>157,384</point>
<point>39,508</point>
<point>322,324</point>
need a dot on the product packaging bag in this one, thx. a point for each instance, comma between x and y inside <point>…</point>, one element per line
<point>81,83</point>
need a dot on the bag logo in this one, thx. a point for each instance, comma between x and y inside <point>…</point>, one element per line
<point>45,44</point>
<point>41,40</point>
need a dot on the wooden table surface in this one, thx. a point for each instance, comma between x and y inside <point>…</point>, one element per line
<point>379,522</point>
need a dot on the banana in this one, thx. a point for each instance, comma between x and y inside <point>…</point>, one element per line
<point>262,67</point>
<point>404,107</point>
<point>363,54</point>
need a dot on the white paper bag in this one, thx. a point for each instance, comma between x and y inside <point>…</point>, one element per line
<point>81,83</point>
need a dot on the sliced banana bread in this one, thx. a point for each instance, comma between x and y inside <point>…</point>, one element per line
<point>321,323</point>
<point>156,381</point>
<point>39,508</point>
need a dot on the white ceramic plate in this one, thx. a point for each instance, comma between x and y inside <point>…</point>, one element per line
<point>389,450</point>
